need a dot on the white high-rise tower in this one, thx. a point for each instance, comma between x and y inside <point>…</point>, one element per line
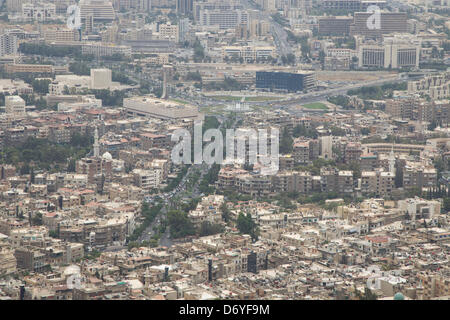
<point>96,145</point>
<point>391,160</point>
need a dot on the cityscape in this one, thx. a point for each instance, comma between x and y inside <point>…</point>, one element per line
<point>224,150</point>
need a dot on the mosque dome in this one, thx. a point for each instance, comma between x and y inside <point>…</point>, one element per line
<point>107,156</point>
<point>399,296</point>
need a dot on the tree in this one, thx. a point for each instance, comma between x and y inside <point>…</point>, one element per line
<point>225,212</point>
<point>446,204</point>
<point>207,228</point>
<point>180,225</point>
<point>199,53</point>
<point>290,58</point>
<point>286,142</point>
<point>37,219</point>
<point>246,225</point>
<point>365,131</point>
<point>32,175</point>
<point>41,86</point>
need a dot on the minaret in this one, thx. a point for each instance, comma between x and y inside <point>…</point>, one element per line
<point>96,145</point>
<point>392,160</point>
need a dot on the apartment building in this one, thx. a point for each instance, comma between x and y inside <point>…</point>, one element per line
<point>61,35</point>
<point>224,19</point>
<point>334,180</point>
<point>8,44</point>
<point>169,32</point>
<point>377,183</point>
<point>14,105</point>
<point>301,152</point>
<point>432,286</point>
<point>94,166</point>
<point>8,263</point>
<point>105,49</point>
<point>18,135</point>
<point>402,108</point>
<point>419,176</point>
<point>253,184</point>
<point>147,179</point>
<point>248,53</point>
<point>290,181</point>
<point>437,86</point>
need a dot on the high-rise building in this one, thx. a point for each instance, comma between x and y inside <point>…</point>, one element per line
<point>224,19</point>
<point>335,25</point>
<point>15,5</point>
<point>99,9</point>
<point>326,147</point>
<point>89,24</point>
<point>185,6</point>
<point>8,44</point>
<point>183,29</point>
<point>168,31</point>
<point>390,22</point>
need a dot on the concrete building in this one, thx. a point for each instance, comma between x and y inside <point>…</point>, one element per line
<point>8,44</point>
<point>61,35</point>
<point>147,179</point>
<point>168,31</point>
<point>8,263</point>
<point>437,86</point>
<point>351,5</point>
<point>390,22</point>
<point>338,181</point>
<point>326,147</point>
<point>394,52</point>
<point>249,53</point>
<point>224,19</point>
<point>39,11</point>
<point>100,10</point>
<point>159,108</point>
<point>291,82</point>
<point>419,176</point>
<point>14,105</point>
<point>185,7</point>
<point>105,49</point>
<point>401,108</point>
<point>101,78</point>
<point>377,183</point>
<point>338,26</point>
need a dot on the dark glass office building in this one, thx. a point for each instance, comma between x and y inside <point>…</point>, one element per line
<point>291,82</point>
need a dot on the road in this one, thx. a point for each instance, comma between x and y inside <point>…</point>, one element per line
<point>279,34</point>
<point>324,94</point>
<point>170,198</point>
